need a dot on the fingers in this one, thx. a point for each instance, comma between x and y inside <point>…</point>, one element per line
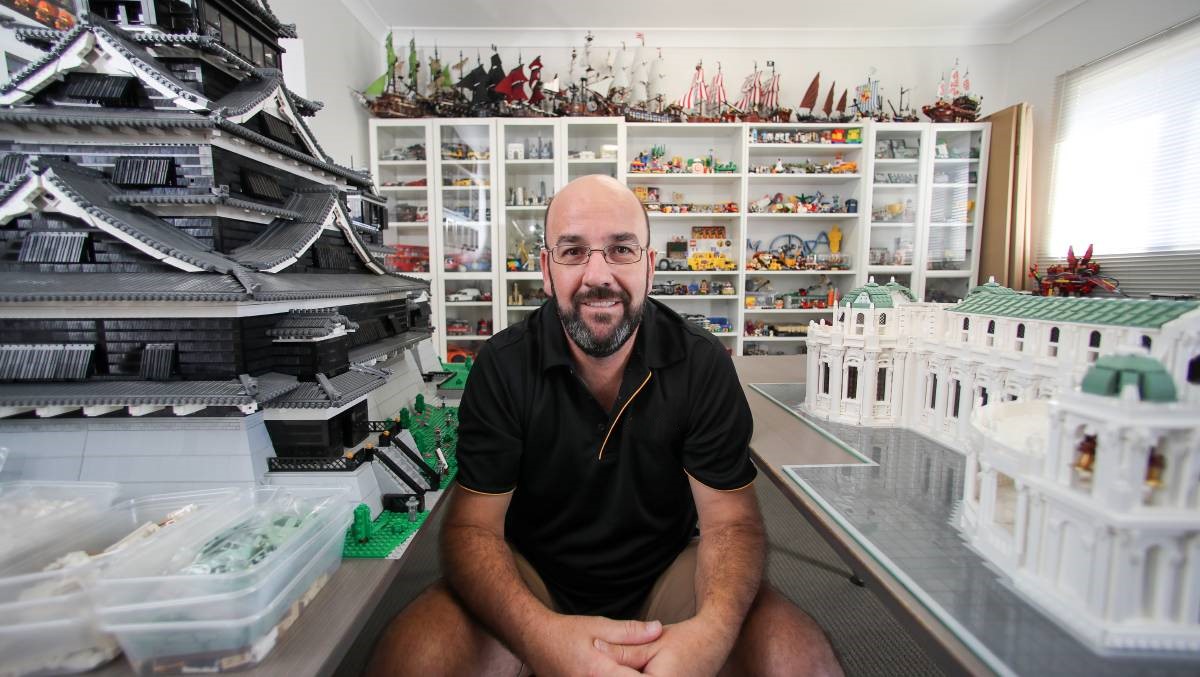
<point>635,656</point>
<point>629,632</point>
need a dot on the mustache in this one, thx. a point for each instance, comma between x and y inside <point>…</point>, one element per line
<point>601,294</point>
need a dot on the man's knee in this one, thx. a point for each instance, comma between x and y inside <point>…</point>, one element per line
<point>415,640</point>
<point>780,639</point>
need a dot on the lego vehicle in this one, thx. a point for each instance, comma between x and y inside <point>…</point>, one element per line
<point>483,327</point>
<point>413,152</point>
<point>455,354</point>
<point>468,294</point>
<point>662,289</point>
<point>458,327</point>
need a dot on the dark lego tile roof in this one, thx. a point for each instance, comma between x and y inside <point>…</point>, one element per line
<point>45,362</point>
<point>341,389</point>
<point>52,247</point>
<point>311,324</point>
<point>288,286</point>
<point>29,287</point>
<point>157,361</point>
<point>285,239</point>
<point>387,347</point>
<point>89,189</point>
<point>262,10</point>
<point>202,197</point>
<point>134,393</point>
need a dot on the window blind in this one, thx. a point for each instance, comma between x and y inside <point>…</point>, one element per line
<point>1126,165</point>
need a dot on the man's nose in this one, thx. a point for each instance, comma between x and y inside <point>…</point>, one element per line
<point>597,272</point>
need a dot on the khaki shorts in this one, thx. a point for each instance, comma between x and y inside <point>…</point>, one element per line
<point>671,600</point>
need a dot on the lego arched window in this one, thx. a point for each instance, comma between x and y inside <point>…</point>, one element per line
<point>1020,344</point>
<point>966,330</point>
<point>824,378</point>
<point>1156,477</point>
<point>1193,375</point>
<point>841,317</point>
<point>1052,346</point>
<point>1093,346</point>
<point>859,322</point>
<point>991,333</point>
<point>851,384</point>
<point>1146,342</point>
<point>882,319</point>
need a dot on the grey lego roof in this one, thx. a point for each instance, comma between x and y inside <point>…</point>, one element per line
<point>310,324</point>
<point>263,11</point>
<point>289,286</point>
<point>41,361</point>
<point>134,393</point>
<point>93,117</point>
<point>35,287</point>
<point>88,188</point>
<point>135,53</point>
<point>285,239</point>
<point>346,387</point>
<point>311,203</point>
<point>201,197</point>
<point>388,346</point>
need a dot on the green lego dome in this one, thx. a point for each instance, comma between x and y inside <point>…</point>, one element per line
<point>870,294</point>
<point>991,287</point>
<point>1110,374</point>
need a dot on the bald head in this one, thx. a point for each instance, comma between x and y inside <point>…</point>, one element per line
<point>593,194</point>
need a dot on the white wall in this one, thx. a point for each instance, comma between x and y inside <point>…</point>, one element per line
<point>1087,32</point>
<point>339,55</point>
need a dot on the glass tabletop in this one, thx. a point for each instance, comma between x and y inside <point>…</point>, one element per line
<point>900,504</point>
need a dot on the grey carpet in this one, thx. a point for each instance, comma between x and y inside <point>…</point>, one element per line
<point>868,639</point>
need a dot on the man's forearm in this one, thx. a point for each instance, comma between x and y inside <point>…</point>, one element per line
<point>480,568</point>
<point>728,572</point>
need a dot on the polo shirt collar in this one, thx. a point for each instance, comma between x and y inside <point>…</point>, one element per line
<point>658,343</point>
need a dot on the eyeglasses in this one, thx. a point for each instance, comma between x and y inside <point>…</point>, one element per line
<point>577,255</point>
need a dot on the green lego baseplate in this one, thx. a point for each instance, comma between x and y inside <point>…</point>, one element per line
<point>391,530</point>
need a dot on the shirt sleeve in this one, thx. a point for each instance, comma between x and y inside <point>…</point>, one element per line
<point>489,437</point>
<point>716,449</point>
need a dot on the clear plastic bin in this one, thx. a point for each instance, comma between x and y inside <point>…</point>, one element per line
<point>34,514</point>
<point>152,574</point>
<point>172,647</point>
<point>46,618</point>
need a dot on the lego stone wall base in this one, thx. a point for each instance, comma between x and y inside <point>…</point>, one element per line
<point>146,455</point>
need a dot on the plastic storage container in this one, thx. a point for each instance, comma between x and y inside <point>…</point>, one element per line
<point>47,623</point>
<point>34,515</point>
<point>234,629</point>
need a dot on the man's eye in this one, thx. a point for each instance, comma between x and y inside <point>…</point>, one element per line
<point>571,252</point>
<point>620,249</point>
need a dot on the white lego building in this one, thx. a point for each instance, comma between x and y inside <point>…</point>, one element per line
<point>1082,477</point>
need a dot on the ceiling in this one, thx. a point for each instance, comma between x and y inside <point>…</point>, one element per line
<point>1005,20</point>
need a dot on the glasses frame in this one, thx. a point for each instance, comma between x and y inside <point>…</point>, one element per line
<point>603,253</point>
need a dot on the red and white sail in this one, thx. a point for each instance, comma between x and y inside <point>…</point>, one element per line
<point>698,92</point>
<point>716,91</point>
<point>751,91</point>
<point>770,96</point>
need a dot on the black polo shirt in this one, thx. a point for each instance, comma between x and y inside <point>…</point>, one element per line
<point>601,503</point>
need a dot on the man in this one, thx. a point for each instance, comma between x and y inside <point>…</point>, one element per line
<point>592,439</point>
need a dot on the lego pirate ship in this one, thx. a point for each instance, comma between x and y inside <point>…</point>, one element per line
<point>189,284</point>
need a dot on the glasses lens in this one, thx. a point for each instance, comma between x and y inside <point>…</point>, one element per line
<point>570,255</point>
<point>622,253</point>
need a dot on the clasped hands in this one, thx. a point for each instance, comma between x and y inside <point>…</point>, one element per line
<point>593,645</point>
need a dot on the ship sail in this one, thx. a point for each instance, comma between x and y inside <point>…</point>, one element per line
<point>955,81</point>
<point>414,65</point>
<point>716,91</point>
<point>828,107</point>
<point>751,91</point>
<point>841,107</point>
<point>810,96</point>
<point>513,84</point>
<point>380,84</point>
<point>621,76</point>
<point>697,93</point>
<point>495,75</point>
<point>535,81</point>
<point>770,98</point>
<point>653,80</point>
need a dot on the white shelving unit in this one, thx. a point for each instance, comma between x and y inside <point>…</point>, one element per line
<point>925,206</point>
<point>917,217</point>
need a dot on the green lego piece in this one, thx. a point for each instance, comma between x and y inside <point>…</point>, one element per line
<point>392,529</point>
<point>405,419</point>
<point>458,375</point>
<point>419,406</point>
<point>361,529</point>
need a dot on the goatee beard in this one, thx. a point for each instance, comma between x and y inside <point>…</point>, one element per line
<point>584,337</point>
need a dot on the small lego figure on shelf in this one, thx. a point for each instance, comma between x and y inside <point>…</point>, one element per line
<point>411,505</point>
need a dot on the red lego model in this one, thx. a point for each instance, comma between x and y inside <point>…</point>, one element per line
<point>1077,278</point>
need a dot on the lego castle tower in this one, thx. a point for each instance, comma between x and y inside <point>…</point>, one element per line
<point>188,283</point>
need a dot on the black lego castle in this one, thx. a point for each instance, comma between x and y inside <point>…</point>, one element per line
<point>188,283</point>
